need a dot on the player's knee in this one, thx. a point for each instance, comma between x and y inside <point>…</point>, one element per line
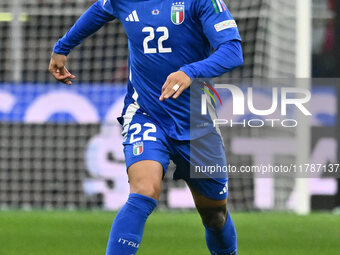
<point>152,190</point>
<point>214,218</point>
<point>145,178</point>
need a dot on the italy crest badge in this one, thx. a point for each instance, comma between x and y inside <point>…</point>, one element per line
<point>177,13</point>
<point>138,148</point>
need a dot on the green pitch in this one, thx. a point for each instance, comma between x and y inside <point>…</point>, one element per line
<point>167,233</point>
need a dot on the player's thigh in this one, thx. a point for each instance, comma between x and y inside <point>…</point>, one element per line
<point>145,177</point>
<point>209,189</point>
<point>202,163</point>
<point>146,155</point>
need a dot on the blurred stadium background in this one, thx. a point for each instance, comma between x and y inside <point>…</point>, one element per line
<point>60,147</point>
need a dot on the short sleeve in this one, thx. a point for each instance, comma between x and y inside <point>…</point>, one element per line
<point>106,5</point>
<point>218,24</point>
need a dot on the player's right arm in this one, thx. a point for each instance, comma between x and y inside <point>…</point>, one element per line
<point>91,21</point>
<point>220,29</point>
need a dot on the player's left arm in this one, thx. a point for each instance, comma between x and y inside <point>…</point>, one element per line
<point>91,21</point>
<point>221,30</point>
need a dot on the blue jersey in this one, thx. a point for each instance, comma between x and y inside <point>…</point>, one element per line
<point>164,36</point>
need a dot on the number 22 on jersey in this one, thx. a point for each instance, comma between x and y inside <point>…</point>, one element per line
<point>161,39</point>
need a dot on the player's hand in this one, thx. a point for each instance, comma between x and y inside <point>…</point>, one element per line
<point>174,85</point>
<point>58,70</point>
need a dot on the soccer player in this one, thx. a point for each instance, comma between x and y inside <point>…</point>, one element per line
<point>170,46</point>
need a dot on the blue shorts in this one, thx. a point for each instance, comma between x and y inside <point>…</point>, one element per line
<point>145,140</point>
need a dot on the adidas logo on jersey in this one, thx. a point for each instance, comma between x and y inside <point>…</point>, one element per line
<point>132,17</point>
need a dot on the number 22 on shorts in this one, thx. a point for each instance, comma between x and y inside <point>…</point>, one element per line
<point>151,128</point>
